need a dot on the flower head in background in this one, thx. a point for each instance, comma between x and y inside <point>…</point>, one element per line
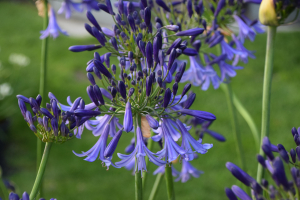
<point>53,29</point>
<point>67,6</point>
<point>279,185</point>
<point>25,196</point>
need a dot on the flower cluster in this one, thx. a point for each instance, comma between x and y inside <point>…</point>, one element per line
<point>282,187</point>
<point>140,96</point>
<point>215,19</point>
<point>25,196</point>
<point>55,123</point>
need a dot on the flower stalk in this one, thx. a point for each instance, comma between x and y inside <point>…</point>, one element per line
<point>155,186</point>
<point>169,182</point>
<point>266,96</point>
<point>150,147</point>
<point>138,174</point>
<point>41,171</point>
<point>229,96</point>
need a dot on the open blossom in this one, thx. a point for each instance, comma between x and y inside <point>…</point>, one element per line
<point>53,29</point>
<point>67,6</point>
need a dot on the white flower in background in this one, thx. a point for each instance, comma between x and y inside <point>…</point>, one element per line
<point>5,90</point>
<point>19,59</point>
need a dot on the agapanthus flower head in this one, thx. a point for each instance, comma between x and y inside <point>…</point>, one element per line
<point>55,122</point>
<point>25,196</point>
<point>68,6</point>
<point>53,29</point>
<point>275,165</point>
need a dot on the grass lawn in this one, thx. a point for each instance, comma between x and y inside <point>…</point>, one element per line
<point>70,177</point>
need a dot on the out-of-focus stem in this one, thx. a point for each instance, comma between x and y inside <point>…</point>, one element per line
<point>138,175</point>
<point>169,182</point>
<point>150,147</point>
<point>155,186</point>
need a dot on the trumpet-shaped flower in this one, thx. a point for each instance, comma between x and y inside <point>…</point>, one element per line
<point>67,6</point>
<point>187,171</point>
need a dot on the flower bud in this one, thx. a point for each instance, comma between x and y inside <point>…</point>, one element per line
<point>148,86</point>
<point>128,120</point>
<point>167,98</point>
<point>130,92</point>
<point>147,16</point>
<point>92,95</point>
<point>54,125</point>
<point>142,47</point>
<point>92,19</point>
<point>98,94</point>
<point>189,102</point>
<point>149,53</point>
<point>175,88</point>
<point>109,7</point>
<point>293,155</point>
<point>267,14</point>
<point>91,78</point>
<point>122,89</point>
<point>186,88</point>
<point>261,160</point>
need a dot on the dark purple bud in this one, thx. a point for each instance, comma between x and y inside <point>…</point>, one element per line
<point>22,107</point>
<point>161,57</point>
<point>25,99</point>
<point>75,104</point>
<point>204,24</point>
<point>267,151</point>
<point>45,123</point>
<point>220,6</point>
<point>110,149</point>
<point>63,129</point>
<point>174,45</point>
<point>106,59</point>
<point>109,7</point>
<point>135,15</point>
<point>130,92</point>
<point>140,74</point>
<point>186,88</point>
<point>149,53</point>
<point>92,95</point>
<point>102,69</point>
<point>81,104</point>
<point>91,78</point>
<point>121,7</point>
<point>159,81</point>
<point>39,100</point>
<point>55,108</point>
<point>264,183</point>
<point>88,28</point>
<point>197,45</point>
<point>122,89</point>
<point>183,45</point>
<point>113,92</point>
<point>172,58</point>
<point>44,111</point>
<point>174,28</point>
<point>261,160</point>
<point>294,131</point>
<point>113,68</point>
<point>159,73</point>
<point>153,123</point>
<point>103,7</point>
<point>80,48</point>
<point>142,13</point>
<point>238,174</point>
<point>144,3</point>
<point>216,41</point>
<point>293,155</point>
<point>142,47</point>
<point>256,187</point>
<point>130,56</point>
<point>180,73</point>
<point>128,120</point>
<point>189,102</point>
<point>230,194</point>
<point>98,94</point>
<point>40,121</point>
<point>34,103</point>
<point>130,8</point>
<point>298,152</point>
<point>131,22</point>
<point>92,19</point>
<point>175,88</point>
<point>148,86</point>
<point>158,25</point>
<point>84,113</point>
<point>167,97</point>
<point>147,16</point>
<point>119,19</point>
<point>156,48</point>
<point>162,4</point>
<point>297,139</point>
<point>143,25</point>
<point>190,52</point>
<point>284,155</point>
<point>295,174</point>
<point>97,72</point>
<point>99,36</point>
<point>54,125</point>
<point>279,173</point>
<point>138,38</point>
<point>190,8</point>
<point>190,32</point>
<point>114,43</point>
<point>29,117</point>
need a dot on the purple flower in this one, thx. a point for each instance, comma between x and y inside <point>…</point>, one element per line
<point>97,151</point>
<point>246,52</point>
<point>230,51</point>
<point>255,24</point>
<point>53,29</point>
<point>190,32</point>
<point>195,73</point>
<point>186,171</point>
<point>162,4</point>
<point>245,30</point>
<point>128,121</point>
<point>139,152</point>
<point>204,129</point>
<point>240,193</point>
<point>188,140</point>
<point>90,5</point>
<point>67,6</point>
<point>162,169</point>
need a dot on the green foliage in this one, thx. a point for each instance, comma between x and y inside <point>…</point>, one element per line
<point>70,177</point>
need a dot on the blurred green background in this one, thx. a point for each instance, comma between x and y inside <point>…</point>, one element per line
<point>70,177</point>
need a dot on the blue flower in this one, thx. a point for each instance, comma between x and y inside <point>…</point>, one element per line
<point>244,30</point>
<point>139,153</point>
<point>195,73</point>
<point>255,24</point>
<point>53,29</point>
<point>162,169</point>
<point>230,51</point>
<point>90,5</point>
<point>240,47</point>
<point>187,171</point>
<point>128,121</point>
<point>67,6</point>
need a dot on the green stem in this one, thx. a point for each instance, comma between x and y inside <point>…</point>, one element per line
<point>169,182</point>
<point>40,174</point>
<point>229,96</point>
<point>2,187</point>
<point>155,186</point>
<point>39,144</point>
<point>138,174</point>
<point>266,96</point>
<point>150,147</point>
<point>248,118</point>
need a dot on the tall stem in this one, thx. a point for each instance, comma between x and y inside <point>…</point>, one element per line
<point>40,174</point>
<point>169,182</point>
<point>138,174</point>
<point>232,113</point>
<point>42,78</point>
<point>150,147</point>
<point>266,96</point>
<point>2,187</point>
<point>155,186</point>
